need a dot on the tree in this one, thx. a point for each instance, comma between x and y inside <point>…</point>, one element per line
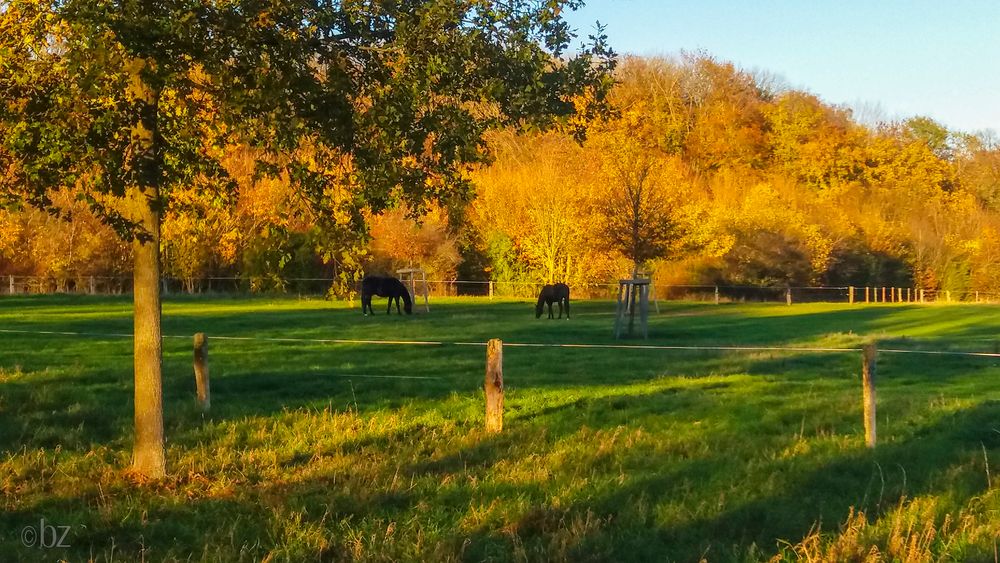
<point>640,204</point>
<point>125,102</point>
<point>536,193</point>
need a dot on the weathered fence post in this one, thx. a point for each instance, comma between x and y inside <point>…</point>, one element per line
<point>11,279</point>
<point>494,385</point>
<point>201,370</point>
<point>947,296</point>
<point>788,296</point>
<point>868,361</point>
<point>850,294</point>
<point>921,295</point>
<point>716,295</point>
<point>909,295</point>
<point>93,286</point>
<point>977,297</point>
<point>866,293</point>
<point>491,289</point>
<point>883,294</point>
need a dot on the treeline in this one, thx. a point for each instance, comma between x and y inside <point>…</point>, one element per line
<point>703,174</point>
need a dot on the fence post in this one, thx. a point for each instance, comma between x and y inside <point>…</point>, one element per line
<point>883,294</point>
<point>866,293</point>
<point>909,296</point>
<point>494,385</point>
<point>850,294</point>
<point>491,289</point>
<point>977,297</point>
<point>947,296</point>
<point>201,370</point>
<point>921,295</point>
<point>12,288</point>
<point>716,295</point>
<point>868,362</point>
<point>788,296</point>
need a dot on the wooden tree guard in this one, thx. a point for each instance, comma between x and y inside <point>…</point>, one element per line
<point>652,291</point>
<point>409,278</point>
<point>632,293</point>
<point>494,385</point>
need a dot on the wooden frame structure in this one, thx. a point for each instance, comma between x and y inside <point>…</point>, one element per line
<point>409,278</point>
<point>631,293</point>
<point>652,288</point>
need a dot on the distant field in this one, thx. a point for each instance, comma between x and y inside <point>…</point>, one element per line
<point>316,451</point>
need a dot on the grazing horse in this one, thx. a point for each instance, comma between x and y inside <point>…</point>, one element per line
<point>558,293</point>
<point>384,287</point>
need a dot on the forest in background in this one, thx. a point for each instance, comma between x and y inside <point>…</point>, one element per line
<point>704,174</point>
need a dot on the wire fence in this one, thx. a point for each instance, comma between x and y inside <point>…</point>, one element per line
<point>436,343</point>
<point>494,381</point>
<point>722,293</point>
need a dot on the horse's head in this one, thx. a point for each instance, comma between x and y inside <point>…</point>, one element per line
<point>408,307</point>
<point>538,308</point>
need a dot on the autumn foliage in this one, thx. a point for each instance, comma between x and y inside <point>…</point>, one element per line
<point>704,174</point>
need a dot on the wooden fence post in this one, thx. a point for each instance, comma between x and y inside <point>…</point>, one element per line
<point>883,294</point>
<point>201,370</point>
<point>93,286</point>
<point>866,293</point>
<point>947,296</point>
<point>716,295</point>
<point>12,288</point>
<point>868,362</point>
<point>921,295</point>
<point>491,289</point>
<point>850,294</point>
<point>788,296</point>
<point>494,385</point>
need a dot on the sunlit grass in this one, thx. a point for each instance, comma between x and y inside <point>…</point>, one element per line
<point>606,454</point>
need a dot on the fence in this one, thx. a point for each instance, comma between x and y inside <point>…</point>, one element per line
<point>117,285</point>
<point>493,385</point>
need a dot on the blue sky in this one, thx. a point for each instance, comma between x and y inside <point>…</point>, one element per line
<point>935,58</point>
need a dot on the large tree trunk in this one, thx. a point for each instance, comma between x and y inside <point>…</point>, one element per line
<point>148,455</point>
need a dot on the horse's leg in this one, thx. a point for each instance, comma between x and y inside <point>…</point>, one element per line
<point>366,303</point>
<point>388,309</point>
<point>398,310</point>
<point>550,310</point>
<point>567,308</point>
<point>559,301</point>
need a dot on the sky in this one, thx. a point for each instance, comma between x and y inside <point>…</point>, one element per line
<point>939,59</point>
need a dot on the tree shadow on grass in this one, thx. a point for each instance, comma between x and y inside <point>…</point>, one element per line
<point>596,517</point>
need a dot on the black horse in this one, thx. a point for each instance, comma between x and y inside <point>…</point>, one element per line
<point>558,293</point>
<point>384,287</point>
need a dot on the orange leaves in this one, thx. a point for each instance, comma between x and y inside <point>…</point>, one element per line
<point>400,241</point>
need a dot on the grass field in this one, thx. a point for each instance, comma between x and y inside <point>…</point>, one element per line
<point>606,454</point>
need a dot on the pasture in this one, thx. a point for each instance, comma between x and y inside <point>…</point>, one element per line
<point>321,451</point>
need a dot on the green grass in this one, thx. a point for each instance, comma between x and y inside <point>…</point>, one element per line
<point>606,454</point>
